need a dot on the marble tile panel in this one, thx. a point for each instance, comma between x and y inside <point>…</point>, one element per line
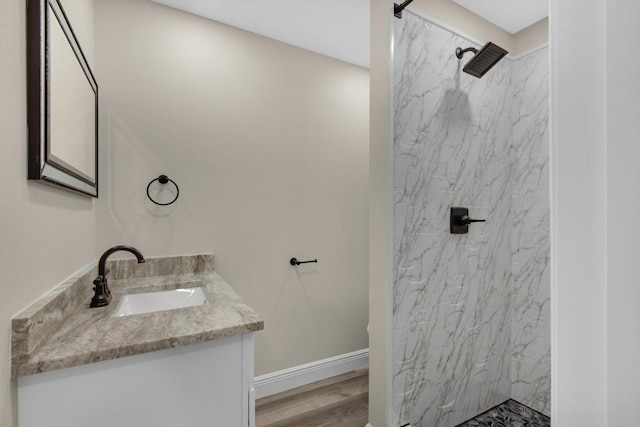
<point>460,141</point>
<point>532,170</point>
<point>531,370</point>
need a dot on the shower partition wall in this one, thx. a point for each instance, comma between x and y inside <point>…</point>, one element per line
<point>531,323</point>
<point>470,312</point>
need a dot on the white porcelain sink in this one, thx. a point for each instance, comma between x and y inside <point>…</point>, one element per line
<point>149,302</point>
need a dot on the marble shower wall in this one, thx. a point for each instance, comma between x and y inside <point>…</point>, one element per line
<point>531,334</point>
<point>454,294</point>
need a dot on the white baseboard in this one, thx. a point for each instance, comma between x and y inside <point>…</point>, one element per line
<point>297,376</point>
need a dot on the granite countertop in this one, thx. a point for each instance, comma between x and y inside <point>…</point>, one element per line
<point>61,331</point>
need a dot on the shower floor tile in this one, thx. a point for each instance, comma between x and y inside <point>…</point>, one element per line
<point>509,414</point>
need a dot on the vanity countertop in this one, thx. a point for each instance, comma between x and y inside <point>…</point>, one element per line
<point>61,331</point>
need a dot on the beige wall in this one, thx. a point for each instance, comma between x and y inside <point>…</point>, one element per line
<point>380,217</point>
<point>450,13</point>
<point>269,145</point>
<point>531,37</point>
<point>47,234</point>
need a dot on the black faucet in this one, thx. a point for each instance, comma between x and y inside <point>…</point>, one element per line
<point>102,296</point>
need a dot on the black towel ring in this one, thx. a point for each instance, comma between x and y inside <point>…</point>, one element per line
<point>163,179</point>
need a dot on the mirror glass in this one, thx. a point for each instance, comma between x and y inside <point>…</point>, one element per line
<point>62,103</point>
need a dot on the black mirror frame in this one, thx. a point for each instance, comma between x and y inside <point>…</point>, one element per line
<point>42,164</point>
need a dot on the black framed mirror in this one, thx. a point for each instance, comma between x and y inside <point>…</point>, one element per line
<point>62,102</point>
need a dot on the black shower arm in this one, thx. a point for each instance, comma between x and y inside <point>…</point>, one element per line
<point>398,8</point>
<point>460,52</point>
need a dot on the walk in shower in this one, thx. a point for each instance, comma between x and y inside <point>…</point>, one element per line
<point>471,324</point>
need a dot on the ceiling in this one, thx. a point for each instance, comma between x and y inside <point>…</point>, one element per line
<point>336,28</point>
<point>510,15</point>
<point>339,28</point>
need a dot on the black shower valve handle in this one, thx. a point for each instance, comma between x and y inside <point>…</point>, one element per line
<point>459,220</point>
<point>466,220</point>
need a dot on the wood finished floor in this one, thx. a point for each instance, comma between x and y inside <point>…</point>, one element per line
<point>340,401</point>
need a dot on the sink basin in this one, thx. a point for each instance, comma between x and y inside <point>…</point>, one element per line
<point>149,302</point>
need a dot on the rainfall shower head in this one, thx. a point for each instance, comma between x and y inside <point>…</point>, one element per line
<point>483,60</point>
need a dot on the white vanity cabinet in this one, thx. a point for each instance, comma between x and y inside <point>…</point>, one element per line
<point>207,384</point>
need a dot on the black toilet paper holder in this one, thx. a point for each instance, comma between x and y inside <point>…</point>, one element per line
<point>294,261</point>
